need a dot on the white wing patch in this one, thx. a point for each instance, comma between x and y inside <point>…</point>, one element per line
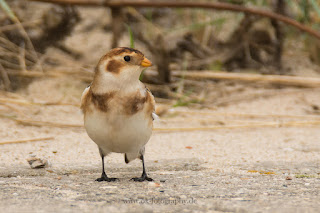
<point>155,116</point>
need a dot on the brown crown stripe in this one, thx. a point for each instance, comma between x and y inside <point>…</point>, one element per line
<point>114,66</point>
<point>120,50</point>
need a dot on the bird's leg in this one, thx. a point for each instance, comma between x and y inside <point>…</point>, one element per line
<point>144,176</point>
<point>104,177</point>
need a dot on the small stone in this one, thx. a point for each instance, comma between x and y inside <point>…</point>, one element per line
<point>59,177</point>
<point>54,152</point>
<point>162,181</point>
<point>307,184</point>
<point>37,163</point>
<point>288,178</point>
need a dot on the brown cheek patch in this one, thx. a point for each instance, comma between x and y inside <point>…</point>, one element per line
<point>114,66</point>
<point>134,104</point>
<point>101,101</point>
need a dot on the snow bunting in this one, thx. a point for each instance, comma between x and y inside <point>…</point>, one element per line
<point>118,108</point>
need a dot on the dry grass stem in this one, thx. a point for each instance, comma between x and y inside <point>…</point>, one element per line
<point>14,101</point>
<point>276,79</point>
<point>276,125</point>
<point>12,108</point>
<point>24,24</point>
<point>25,102</point>
<point>5,78</point>
<point>26,140</point>
<point>247,115</point>
<point>30,122</point>
<point>33,52</point>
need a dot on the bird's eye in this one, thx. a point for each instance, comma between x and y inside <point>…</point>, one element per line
<point>127,58</point>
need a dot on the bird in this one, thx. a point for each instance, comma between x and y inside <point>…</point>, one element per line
<point>118,108</point>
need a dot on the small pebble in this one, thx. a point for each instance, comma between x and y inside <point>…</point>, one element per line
<point>37,163</point>
<point>288,178</point>
<point>154,184</point>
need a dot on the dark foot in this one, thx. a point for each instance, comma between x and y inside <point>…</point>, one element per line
<point>105,178</point>
<point>142,178</point>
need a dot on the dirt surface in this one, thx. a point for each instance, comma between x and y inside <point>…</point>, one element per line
<point>231,168</point>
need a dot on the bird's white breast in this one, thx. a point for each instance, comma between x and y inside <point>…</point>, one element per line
<point>118,132</point>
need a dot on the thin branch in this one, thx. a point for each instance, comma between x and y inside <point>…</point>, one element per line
<point>203,5</point>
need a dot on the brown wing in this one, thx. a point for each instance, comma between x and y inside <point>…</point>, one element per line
<point>84,98</point>
<point>151,104</point>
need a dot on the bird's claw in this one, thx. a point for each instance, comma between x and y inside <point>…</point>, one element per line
<point>141,179</point>
<point>105,178</point>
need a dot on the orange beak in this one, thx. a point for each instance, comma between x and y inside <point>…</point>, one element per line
<point>146,63</point>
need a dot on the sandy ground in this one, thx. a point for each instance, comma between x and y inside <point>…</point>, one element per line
<point>241,169</point>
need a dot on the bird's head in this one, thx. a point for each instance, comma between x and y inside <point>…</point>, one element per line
<point>120,67</point>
